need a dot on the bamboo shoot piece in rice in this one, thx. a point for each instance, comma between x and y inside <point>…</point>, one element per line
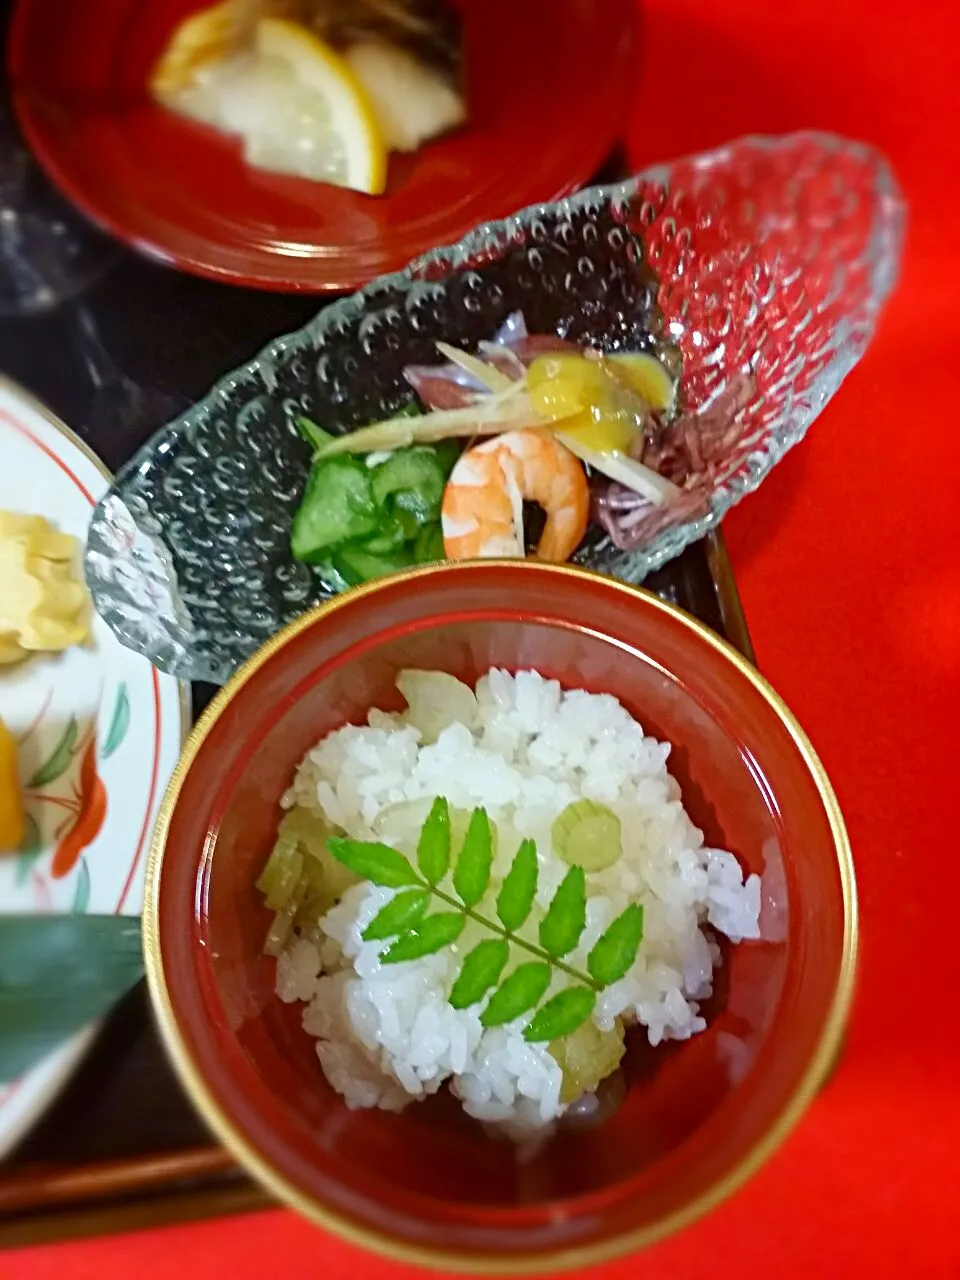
<point>587,1057</point>
<point>436,700</point>
<point>300,881</point>
<point>399,825</point>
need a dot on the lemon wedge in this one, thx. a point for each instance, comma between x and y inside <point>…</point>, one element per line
<point>297,105</point>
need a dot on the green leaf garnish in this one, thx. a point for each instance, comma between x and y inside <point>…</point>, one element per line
<point>472,872</point>
<point>433,934</point>
<point>416,934</point>
<point>481,971</point>
<point>403,911</point>
<point>615,950</point>
<point>523,990</point>
<point>515,899</point>
<point>377,862</point>
<point>433,850</point>
<point>561,1015</point>
<point>566,917</point>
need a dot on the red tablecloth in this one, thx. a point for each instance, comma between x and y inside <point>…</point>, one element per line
<point>849,565</point>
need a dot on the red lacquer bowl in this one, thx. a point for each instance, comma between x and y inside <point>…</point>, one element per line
<point>549,88</point>
<point>429,1185</point>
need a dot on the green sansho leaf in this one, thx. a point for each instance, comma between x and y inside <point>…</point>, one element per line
<point>376,862</point>
<point>472,872</point>
<point>433,851</point>
<point>431,935</point>
<point>561,1015</point>
<point>58,760</point>
<point>481,971</point>
<point>524,989</point>
<point>566,917</point>
<point>615,950</point>
<point>415,934</point>
<point>515,900</point>
<point>398,915</point>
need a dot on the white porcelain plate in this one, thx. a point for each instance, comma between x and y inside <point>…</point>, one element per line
<point>98,734</point>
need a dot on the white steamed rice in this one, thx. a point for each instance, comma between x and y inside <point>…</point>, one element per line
<point>386,1035</point>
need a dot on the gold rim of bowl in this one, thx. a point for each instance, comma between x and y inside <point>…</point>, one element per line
<point>821,1064</point>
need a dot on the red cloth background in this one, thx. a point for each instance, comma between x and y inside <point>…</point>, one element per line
<point>849,565</point>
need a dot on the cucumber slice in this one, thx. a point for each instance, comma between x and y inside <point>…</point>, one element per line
<point>428,548</point>
<point>338,506</point>
<point>410,470</point>
<point>390,536</point>
<point>358,565</point>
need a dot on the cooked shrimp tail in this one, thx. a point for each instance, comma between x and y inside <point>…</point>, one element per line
<point>482,513</point>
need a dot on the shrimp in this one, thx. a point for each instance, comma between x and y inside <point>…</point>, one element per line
<point>482,513</point>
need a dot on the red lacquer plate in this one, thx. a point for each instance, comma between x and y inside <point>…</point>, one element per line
<point>549,88</point>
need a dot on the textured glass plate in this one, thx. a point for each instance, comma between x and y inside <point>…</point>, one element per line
<point>773,255</point>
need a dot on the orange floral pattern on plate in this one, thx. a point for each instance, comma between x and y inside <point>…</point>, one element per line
<point>69,818</point>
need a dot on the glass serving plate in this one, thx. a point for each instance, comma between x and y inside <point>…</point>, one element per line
<point>771,256</point>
